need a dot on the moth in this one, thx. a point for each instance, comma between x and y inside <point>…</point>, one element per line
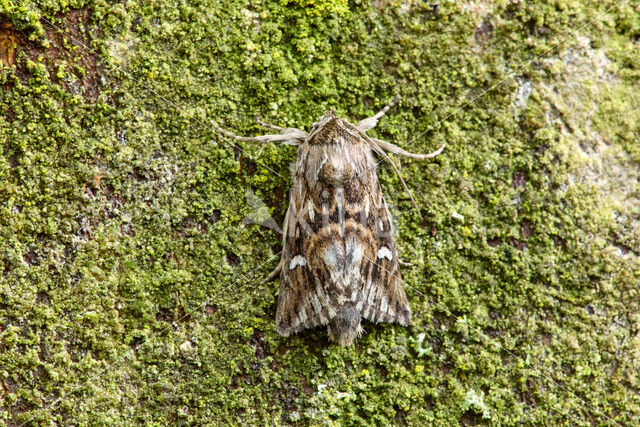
<point>339,262</point>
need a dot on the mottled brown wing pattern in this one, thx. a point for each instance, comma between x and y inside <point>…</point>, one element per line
<point>384,300</point>
<point>339,261</point>
<point>339,253</point>
<point>303,302</point>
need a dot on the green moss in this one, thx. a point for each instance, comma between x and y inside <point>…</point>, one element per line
<point>130,286</point>
<point>22,17</point>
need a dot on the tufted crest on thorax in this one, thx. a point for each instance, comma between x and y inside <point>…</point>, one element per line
<point>330,129</point>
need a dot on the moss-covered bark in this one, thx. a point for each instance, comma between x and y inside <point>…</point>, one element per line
<point>129,282</point>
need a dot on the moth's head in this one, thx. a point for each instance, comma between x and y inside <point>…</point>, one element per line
<point>327,129</point>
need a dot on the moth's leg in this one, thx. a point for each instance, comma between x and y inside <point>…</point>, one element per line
<point>288,131</point>
<point>274,272</point>
<point>371,122</point>
<point>269,126</point>
<point>261,138</point>
<point>387,146</point>
<point>288,136</point>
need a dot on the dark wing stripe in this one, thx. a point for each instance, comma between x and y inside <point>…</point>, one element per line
<point>302,302</point>
<point>386,300</point>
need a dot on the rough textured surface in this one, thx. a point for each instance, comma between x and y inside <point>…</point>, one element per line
<point>129,284</point>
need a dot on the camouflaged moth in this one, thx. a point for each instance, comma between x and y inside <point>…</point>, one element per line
<point>339,261</point>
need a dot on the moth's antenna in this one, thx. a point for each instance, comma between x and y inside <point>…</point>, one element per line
<point>274,127</point>
<point>289,136</point>
<point>395,168</point>
<point>401,152</point>
<point>371,122</point>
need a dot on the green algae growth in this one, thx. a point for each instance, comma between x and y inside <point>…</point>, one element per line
<point>130,284</point>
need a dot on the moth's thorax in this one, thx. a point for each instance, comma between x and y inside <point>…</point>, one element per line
<point>333,153</point>
<point>329,129</point>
